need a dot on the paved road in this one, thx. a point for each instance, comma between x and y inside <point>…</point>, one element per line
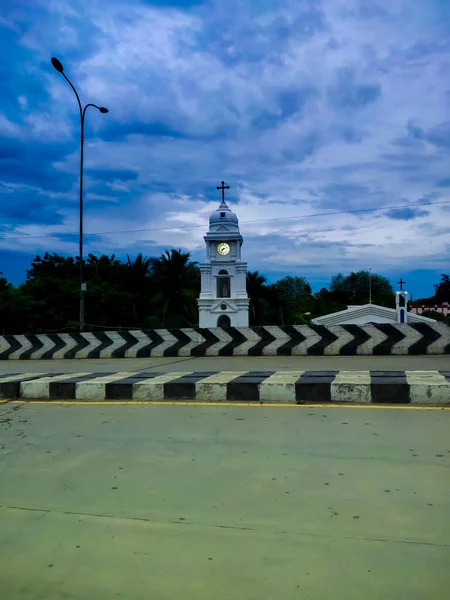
<point>232,363</point>
<point>201,502</point>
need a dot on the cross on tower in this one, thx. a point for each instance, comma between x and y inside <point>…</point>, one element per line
<point>401,283</point>
<point>223,187</point>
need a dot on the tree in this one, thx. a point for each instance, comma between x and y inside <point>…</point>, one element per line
<point>354,289</point>
<point>257,292</point>
<point>177,285</point>
<point>442,290</point>
<point>294,294</point>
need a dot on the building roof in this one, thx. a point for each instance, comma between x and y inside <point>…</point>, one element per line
<point>223,219</point>
<point>367,311</point>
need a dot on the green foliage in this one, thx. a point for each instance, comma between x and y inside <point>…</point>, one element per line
<point>437,316</point>
<point>149,293</point>
<point>442,288</point>
<point>354,289</point>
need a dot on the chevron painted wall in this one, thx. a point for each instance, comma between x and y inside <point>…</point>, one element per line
<point>296,340</point>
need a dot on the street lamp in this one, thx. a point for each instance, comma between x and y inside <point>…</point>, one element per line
<point>59,67</point>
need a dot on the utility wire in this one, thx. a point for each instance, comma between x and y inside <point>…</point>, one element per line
<point>340,212</point>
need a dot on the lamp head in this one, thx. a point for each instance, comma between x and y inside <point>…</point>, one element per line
<point>103,110</point>
<point>58,65</point>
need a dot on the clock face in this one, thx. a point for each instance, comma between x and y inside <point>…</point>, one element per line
<point>223,248</point>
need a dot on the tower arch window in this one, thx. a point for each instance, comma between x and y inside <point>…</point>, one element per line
<point>224,321</point>
<point>223,284</point>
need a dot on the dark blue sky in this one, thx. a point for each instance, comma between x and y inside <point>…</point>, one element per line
<point>305,108</point>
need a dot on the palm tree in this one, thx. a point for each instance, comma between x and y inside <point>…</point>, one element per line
<point>177,283</point>
<point>256,290</point>
<point>139,283</point>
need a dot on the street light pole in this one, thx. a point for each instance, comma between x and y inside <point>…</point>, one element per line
<point>59,67</point>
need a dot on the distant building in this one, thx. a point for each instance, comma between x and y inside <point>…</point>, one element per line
<point>367,313</point>
<point>373,313</point>
<point>443,308</point>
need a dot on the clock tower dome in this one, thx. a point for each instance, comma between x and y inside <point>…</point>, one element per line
<point>223,300</point>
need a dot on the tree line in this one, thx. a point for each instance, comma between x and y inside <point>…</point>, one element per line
<point>151,293</point>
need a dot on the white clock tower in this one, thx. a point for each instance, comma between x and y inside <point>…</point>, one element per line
<point>223,300</point>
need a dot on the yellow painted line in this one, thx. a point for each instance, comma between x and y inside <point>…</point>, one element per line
<point>218,404</point>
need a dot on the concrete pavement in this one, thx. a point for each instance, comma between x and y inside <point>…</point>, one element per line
<point>217,501</point>
<point>231,363</point>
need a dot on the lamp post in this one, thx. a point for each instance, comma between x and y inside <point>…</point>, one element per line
<point>59,67</point>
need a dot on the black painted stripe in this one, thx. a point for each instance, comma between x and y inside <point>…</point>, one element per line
<point>327,338</point>
<point>360,336</point>
<point>14,345</point>
<point>65,389</point>
<point>58,342</point>
<point>389,387</point>
<point>11,389</point>
<point>155,340</point>
<point>266,339</point>
<point>446,374</point>
<point>183,340</point>
<point>245,388</point>
<point>183,388</point>
<point>122,389</point>
<point>82,343</point>
<point>36,344</point>
<point>3,375</point>
<point>394,335</point>
<point>429,335</point>
<point>295,338</point>
<point>105,340</point>
<point>129,340</point>
<point>314,386</point>
<point>237,338</point>
<point>210,340</point>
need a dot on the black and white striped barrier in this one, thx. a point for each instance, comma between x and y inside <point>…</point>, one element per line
<point>291,387</point>
<point>296,340</point>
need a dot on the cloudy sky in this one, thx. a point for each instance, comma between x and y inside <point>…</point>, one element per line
<point>315,112</point>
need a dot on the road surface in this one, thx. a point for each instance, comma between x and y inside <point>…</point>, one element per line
<point>231,363</point>
<point>201,502</point>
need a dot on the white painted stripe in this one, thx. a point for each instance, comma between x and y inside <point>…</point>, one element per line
<point>279,387</point>
<point>252,338</point>
<point>412,336</point>
<point>214,387</point>
<point>281,338</point>
<point>439,345</point>
<point>343,337</point>
<point>93,344</point>
<point>142,340</point>
<point>153,388</point>
<point>169,340</point>
<point>311,338</point>
<point>48,345</point>
<point>428,387</point>
<point>69,344</point>
<point>376,337</point>
<point>351,386</point>
<point>196,340</point>
<point>19,377</point>
<point>24,346</point>
<point>40,388</point>
<point>94,389</point>
<point>117,340</point>
<point>224,340</point>
<point>4,345</point>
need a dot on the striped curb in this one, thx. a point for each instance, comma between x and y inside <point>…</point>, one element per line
<point>291,387</point>
<point>295,340</point>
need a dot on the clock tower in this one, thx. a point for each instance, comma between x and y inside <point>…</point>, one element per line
<point>223,300</point>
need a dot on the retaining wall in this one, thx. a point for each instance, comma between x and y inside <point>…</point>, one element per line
<point>316,340</point>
